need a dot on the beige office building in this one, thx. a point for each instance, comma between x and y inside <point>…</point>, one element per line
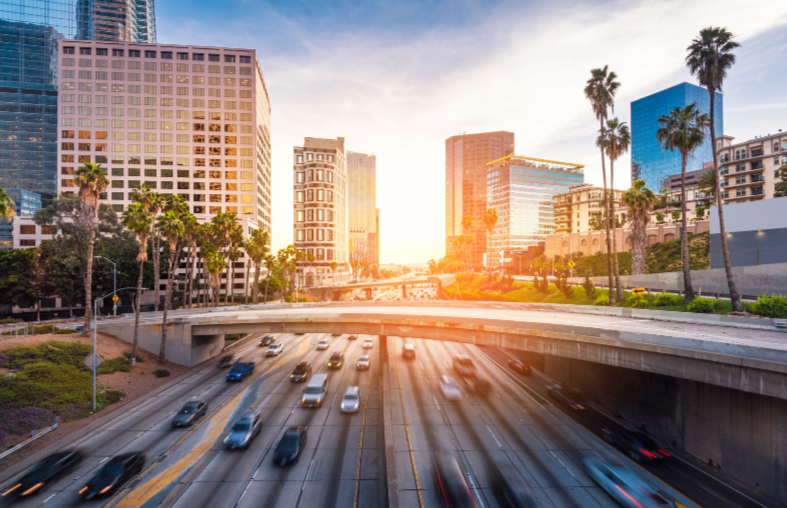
<point>320,210</point>
<point>362,209</point>
<point>750,170</point>
<point>575,209</point>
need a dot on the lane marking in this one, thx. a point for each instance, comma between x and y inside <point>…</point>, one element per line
<point>561,463</point>
<point>477,492</point>
<point>494,437</point>
<point>422,364</point>
<point>50,497</point>
<point>406,427</point>
<point>104,460</point>
<point>436,403</point>
<point>363,428</point>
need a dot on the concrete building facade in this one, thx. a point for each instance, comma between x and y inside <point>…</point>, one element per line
<point>750,170</point>
<point>576,209</point>
<point>466,157</point>
<point>362,212</point>
<point>756,233</point>
<point>320,213</point>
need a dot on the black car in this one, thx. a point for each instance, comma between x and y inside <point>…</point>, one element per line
<point>267,340</point>
<point>190,413</point>
<point>564,395</point>
<point>227,361</point>
<point>290,446</point>
<point>520,366</point>
<point>301,372</point>
<point>336,360</point>
<point>115,473</point>
<point>451,482</point>
<point>49,470</point>
<point>511,490</point>
<point>352,336</point>
<point>640,447</point>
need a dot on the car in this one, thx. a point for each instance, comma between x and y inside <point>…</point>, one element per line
<point>565,395</point>
<point>637,445</point>
<point>323,344</point>
<point>240,371</point>
<point>267,340</point>
<point>116,472</point>
<point>511,490</point>
<point>336,335</point>
<point>368,343</point>
<point>301,372</point>
<point>623,486</point>
<point>351,401</point>
<point>300,333</point>
<point>49,470</point>
<point>520,366</point>
<point>244,430</point>
<point>290,446</point>
<point>451,482</point>
<point>315,392</point>
<point>408,352</point>
<point>464,366</point>
<point>477,385</point>
<point>450,388</point>
<point>275,349</point>
<point>352,337</point>
<point>364,361</point>
<point>227,361</point>
<point>336,360</point>
<point>190,413</point>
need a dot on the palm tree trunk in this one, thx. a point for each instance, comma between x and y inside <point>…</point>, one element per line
<point>638,244</point>
<point>231,283</point>
<point>611,286</point>
<point>688,290</point>
<point>189,273</point>
<point>167,299</point>
<point>267,281</point>
<point>134,344</point>
<point>255,291</point>
<point>248,279</point>
<point>614,228</point>
<point>735,297</point>
<point>156,270</point>
<point>89,280</point>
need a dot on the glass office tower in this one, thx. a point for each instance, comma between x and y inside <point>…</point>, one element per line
<point>649,160</point>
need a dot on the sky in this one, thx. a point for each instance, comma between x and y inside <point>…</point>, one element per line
<point>397,78</point>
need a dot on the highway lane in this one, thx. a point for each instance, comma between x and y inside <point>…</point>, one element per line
<point>506,428</point>
<point>702,484</point>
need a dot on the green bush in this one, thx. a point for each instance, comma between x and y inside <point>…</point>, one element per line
<point>161,373</point>
<point>774,306</point>
<point>590,288</point>
<point>602,301</point>
<point>702,305</point>
<point>8,320</point>
<point>114,365</point>
<point>139,359</point>
<point>233,336</point>
<point>668,299</point>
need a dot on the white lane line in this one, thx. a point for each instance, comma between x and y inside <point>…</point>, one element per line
<point>422,364</point>
<point>561,463</point>
<point>445,363</point>
<point>334,398</point>
<point>139,434</point>
<point>104,460</point>
<point>308,472</point>
<point>493,436</point>
<point>477,493</point>
<point>498,396</point>
<point>50,497</point>
<point>435,401</point>
<point>244,493</point>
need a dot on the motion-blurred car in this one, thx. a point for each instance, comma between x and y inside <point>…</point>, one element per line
<point>477,385</point>
<point>49,470</point>
<point>352,337</point>
<point>243,431</point>
<point>363,362</point>
<point>623,486</point>
<point>227,361</point>
<point>190,413</point>
<point>323,344</point>
<point>464,366</point>
<point>351,401</point>
<point>565,395</point>
<point>520,366</point>
<point>408,352</point>
<point>239,371</point>
<point>640,447</point>
<point>368,343</point>
<point>267,340</point>
<point>450,388</point>
<point>301,372</point>
<point>336,360</point>
<point>275,349</point>
<point>336,335</point>
<point>511,490</point>
<point>451,482</point>
<point>289,449</point>
<point>115,473</point>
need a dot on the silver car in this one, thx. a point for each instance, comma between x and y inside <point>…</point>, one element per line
<point>351,400</point>
<point>363,362</point>
<point>450,388</point>
<point>623,486</point>
<point>274,349</point>
<point>243,431</point>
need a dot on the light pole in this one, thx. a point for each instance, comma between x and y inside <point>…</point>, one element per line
<point>114,283</point>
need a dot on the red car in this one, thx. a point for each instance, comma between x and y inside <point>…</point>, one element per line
<point>520,366</point>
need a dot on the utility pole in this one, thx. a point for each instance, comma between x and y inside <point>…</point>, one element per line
<point>114,284</point>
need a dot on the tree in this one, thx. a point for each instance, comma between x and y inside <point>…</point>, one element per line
<point>234,254</point>
<point>659,218</point>
<point>139,221</point>
<point>683,129</point>
<point>675,215</point>
<point>7,206</point>
<point>257,250</point>
<point>617,140</point>
<point>215,264</point>
<point>639,201</point>
<point>172,229</point>
<point>16,265</point>
<point>92,181</point>
<point>190,238</point>
<point>706,184</point>
<point>781,186</point>
<point>600,91</point>
<point>490,221</point>
<point>270,263</point>
<point>700,212</point>
<point>709,57</point>
<point>153,203</point>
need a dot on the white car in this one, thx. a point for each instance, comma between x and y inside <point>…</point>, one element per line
<point>351,401</point>
<point>275,349</point>
<point>363,362</point>
<point>368,344</point>
<point>450,388</point>
<point>323,344</point>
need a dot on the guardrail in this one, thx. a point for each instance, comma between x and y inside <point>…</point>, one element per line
<point>236,342</point>
<point>28,441</point>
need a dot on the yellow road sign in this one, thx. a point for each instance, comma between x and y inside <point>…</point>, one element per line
<point>638,291</point>
<point>571,264</point>
<point>115,298</point>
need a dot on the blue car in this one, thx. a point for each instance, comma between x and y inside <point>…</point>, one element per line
<point>239,371</point>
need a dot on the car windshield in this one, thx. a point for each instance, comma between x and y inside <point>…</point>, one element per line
<point>313,390</point>
<point>336,357</point>
<point>299,369</point>
<point>350,397</point>
<point>274,346</point>
<point>645,440</point>
<point>226,359</point>
<point>242,426</point>
<point>47,463</point>
<point>239,367</point>
<point>364,358</point>
<point>290,440</point>
<point>188,409</point>
<point>111,469</point>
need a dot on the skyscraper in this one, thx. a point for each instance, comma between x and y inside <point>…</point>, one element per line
<point>117,20</point>
<point>320,212</point>
<point>465,185</point>
<point>649,160</point>
<point>362,207</point>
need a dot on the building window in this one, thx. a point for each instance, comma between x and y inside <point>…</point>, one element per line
<point>85,51</point>
<point>133,53</point>
<point>68,50</point>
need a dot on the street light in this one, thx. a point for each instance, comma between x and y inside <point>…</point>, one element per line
<point>114,284</point>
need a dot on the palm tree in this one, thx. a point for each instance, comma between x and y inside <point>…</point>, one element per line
<point>684,130</point>
<point>234,254</point>
<point>490,221</point>
<point>618,140</point>
<point>600,90</point>
<point>639,201</point>
<point>257,250</point>
<point>153,202</point>
<point>707,185</point>
<point>710,55</point>
<point>139,221</point>
<point>191,236</point>
<point>270,263</point>
<point>467,230</point>
<point>172,229</point>
<point>92,181</point>
<point>215,264</point>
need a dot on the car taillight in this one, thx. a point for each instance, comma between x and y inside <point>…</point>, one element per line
<point>647,453</point>
<point>628,496</point>
<point>664,453</point>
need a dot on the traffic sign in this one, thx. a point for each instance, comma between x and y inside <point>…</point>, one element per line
<point>571,264</point>
<point>115,298</point>
<point>88,361</point>
<point>638,291</point>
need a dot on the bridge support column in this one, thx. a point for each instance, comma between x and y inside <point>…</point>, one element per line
<point>404,292</point>
<point>368,293</point>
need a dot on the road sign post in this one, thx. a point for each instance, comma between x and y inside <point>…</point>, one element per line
<point>638,292</point>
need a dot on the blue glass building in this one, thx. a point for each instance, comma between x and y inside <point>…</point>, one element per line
<point>29,31</point>
<point>26,203</point>
<point>649,160</point>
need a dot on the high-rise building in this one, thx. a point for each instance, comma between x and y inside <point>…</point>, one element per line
<point>578,209</point>
<point>751,169</point>
<point>466,156</point>
<point>116,20</point>
<point>649,160</point>
<point>521,191</point>
<point>320,212</point>
<point>362,207</point>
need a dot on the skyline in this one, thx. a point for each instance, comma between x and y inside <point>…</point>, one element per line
<point>390,87</point>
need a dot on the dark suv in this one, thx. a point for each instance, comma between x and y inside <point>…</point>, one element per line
<point>464,366</point>
<point>301,372</point>
<point>640,447</point>
<point>336,360</point>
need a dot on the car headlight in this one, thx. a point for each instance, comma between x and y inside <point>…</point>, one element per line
<point>105,489</point>
<point>319,400</point>
<point>227,439</point>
